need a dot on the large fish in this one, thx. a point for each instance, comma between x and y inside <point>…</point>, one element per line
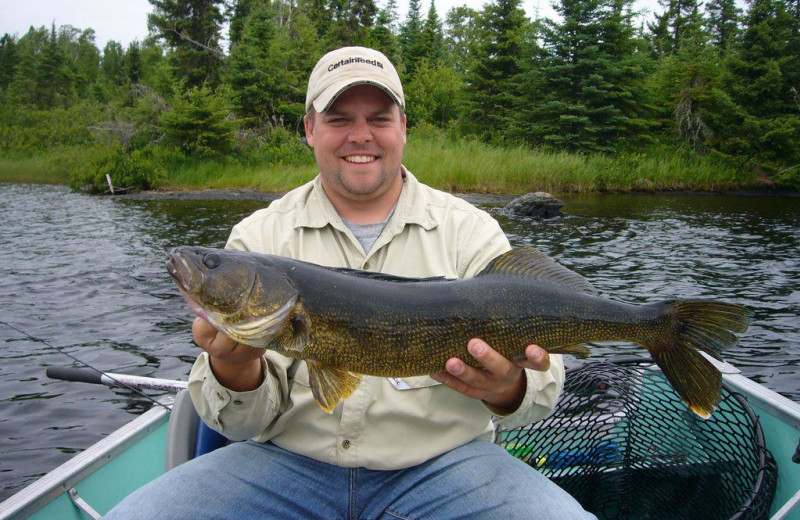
<point>344,322</point>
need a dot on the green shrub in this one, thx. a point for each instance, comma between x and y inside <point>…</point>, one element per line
<point>24,128</point>
<point>789,178</point>
<point>131,171</point>
<point>199,123</point>
<point>274,145</point>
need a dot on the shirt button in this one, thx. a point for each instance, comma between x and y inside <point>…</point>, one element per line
<point>345,444</point>
<point>237,401</point>
<point>219,396</point>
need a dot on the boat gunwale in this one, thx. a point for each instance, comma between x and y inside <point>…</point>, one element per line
<point>47,488</point>
<point>773,403</point>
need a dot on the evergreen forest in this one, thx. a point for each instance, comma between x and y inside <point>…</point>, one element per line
<point>219,83</point>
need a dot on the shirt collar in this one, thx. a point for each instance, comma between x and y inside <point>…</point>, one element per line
<point>412,207</point>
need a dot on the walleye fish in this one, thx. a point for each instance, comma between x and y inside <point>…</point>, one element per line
<point>344,323</point>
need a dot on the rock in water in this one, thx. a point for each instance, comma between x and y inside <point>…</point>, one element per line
<point>539,204</point>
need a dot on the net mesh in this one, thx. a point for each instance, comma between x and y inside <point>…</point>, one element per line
<point>625,446</point>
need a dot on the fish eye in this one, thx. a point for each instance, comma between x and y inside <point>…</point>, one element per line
<point>212,260</point>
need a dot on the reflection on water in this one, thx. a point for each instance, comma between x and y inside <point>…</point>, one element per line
<point>86,274</point>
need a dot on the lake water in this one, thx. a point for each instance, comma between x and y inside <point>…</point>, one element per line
<point>86,275</point>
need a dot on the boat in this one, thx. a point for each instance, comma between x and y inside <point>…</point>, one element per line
<point>620,440</point>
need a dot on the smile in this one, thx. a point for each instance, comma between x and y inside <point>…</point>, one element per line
<point>359,159</point>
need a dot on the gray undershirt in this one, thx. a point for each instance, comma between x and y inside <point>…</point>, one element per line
<point>367,234</point>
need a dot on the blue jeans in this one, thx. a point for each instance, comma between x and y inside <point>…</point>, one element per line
<point>253,480</point>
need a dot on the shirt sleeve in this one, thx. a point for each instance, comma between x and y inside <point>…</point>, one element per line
<point>240,415</point>
<point>541,395</point>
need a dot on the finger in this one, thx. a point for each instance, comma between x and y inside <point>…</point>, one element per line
<point>210,339</point>
<point>453,375</point>
<point>492,361</point>
<point>203,332</point>
<point>536,358</point>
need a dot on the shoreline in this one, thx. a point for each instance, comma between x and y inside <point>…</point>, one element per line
<point>253,194</point>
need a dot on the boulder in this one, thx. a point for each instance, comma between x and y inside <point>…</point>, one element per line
<point>539,205</point>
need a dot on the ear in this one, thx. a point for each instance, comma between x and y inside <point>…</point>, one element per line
<point>308,123</point>
<point>403,125</point>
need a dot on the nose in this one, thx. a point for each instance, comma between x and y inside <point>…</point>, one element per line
<point>360,131</point>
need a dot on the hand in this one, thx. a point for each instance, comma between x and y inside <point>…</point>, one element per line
<point>500,383</point>
<point>236,366</point>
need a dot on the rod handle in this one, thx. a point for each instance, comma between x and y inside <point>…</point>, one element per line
<point>82,375</point>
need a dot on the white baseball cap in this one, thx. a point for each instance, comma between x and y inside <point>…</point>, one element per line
<point>349,66</point>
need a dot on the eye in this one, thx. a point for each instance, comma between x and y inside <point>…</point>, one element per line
<point>212,260</point>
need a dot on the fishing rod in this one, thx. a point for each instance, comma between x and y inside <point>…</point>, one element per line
<point>96,376</point>
<point>112,379</point>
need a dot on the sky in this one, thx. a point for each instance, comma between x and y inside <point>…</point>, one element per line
<point>126,20</point>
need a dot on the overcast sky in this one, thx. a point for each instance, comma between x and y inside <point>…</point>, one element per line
<point>126,20</point>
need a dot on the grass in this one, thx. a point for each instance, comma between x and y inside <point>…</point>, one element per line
<point>470,166</point>
<point>466,166</point>
<point>52,167</point>
<point>213,175</point>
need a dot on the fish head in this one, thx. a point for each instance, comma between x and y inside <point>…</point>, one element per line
<point>240,294</point>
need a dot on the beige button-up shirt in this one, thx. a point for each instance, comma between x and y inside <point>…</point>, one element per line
<point>385,423</point>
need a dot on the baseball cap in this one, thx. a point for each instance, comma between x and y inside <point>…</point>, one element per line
<point>349,66</point>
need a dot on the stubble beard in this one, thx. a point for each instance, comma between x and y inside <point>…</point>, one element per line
<point>358,189</point>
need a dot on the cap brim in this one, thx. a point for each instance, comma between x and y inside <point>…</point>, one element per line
<point>324,101</point>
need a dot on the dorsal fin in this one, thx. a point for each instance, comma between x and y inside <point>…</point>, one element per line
<point>527,262</point>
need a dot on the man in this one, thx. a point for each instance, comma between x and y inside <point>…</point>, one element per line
<point>397,448</point>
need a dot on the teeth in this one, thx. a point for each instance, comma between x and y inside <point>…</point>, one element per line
<point>359,158</point>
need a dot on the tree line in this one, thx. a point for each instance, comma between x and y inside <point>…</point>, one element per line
<point>712,78</point>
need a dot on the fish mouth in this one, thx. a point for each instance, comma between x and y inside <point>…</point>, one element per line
<point>187,277</point>
<point>188,280</point>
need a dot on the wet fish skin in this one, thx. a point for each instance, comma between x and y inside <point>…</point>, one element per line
<point>344,323</point>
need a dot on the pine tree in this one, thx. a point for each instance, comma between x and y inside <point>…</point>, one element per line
<point>9,58</point>
<point>432,37</point>
<point>268,69</point>
<point>764,83</point>
<point>295,51</point>
<point>54,80</point>
<point>237,13</point>
<point>494,83</point>
<point>132,63</point>
<point>319,13</point>
<point>249,76</point>
<point>81,56</point>
<point>191,28</point>
<point>198,123</point>
<point>587,96</point>
<point>384,34</point>
<point>460,37</point>
<point>352,22</point>
<point>437,92</point>
<point>112,63</point>
<point>722,22</point>
<point>680,20</point>
<point>411,46</point>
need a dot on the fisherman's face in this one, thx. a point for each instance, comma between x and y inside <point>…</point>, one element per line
<point>358,143</point>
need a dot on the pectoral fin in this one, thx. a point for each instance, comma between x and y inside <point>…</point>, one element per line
<point>330,385</point>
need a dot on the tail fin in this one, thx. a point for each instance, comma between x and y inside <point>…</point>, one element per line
<point>706,326</point>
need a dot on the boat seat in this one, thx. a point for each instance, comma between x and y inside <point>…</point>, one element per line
<point>188,436</point>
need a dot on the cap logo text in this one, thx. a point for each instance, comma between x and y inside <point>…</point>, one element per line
<point>349,61</point>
